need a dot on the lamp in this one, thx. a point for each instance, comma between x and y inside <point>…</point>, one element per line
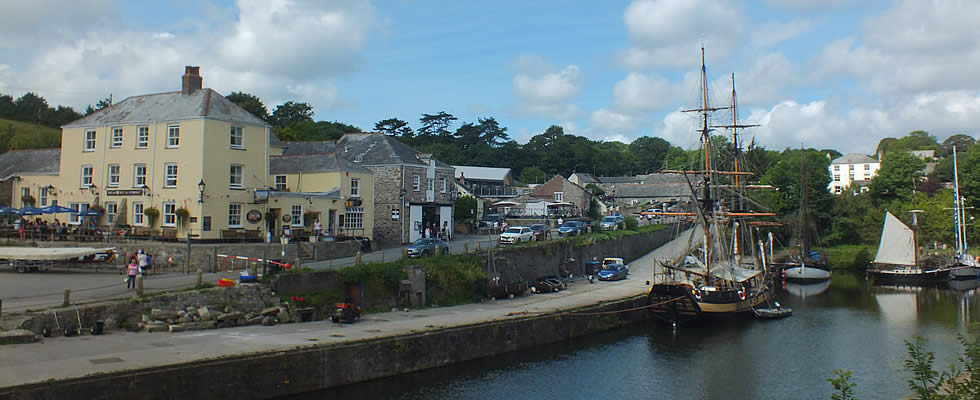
<point>200,188</point>
<point>145,189</point>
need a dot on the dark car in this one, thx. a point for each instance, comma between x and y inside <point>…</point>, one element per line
<point>427,247</point>
<point>539,231</point>
<point>489,219</point>
<point>571,228</point>
<point>611,222</point>
<point>613,272</point>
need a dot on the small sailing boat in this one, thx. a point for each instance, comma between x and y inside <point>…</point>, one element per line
<point>808,267</point>
<point>898,261</point>
<point>964,266</point>
<point>723,270</point>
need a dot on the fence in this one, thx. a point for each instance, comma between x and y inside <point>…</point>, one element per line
<point>226,262</point>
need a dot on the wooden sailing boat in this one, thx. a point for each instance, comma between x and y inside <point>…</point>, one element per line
<point>964,266</point>
<point>898,261</point>
<point>806,267</point>
<point>722,272</point>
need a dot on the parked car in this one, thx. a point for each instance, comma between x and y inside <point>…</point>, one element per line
<point>611,222</point>
<point>613,272</point>
<point>539,231</point>
<point>489,219</point>
<point>516,234</point>
<point>614,260</point>
<point>571,228</point>
<point>427,247</point>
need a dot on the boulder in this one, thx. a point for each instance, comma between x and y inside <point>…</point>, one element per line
<point>204,313</point>
<point>253,321</point>
<point>283,316</point>
<point>176,328</point>
<point>270,311</point>
<point>163,315</point>
<point>181,313</point>
<point>191,310</point>
<point>156,326</point>
<point>230,316</point>
<point>197,326</point>
<point>17,336</point>
<point>268,320</point>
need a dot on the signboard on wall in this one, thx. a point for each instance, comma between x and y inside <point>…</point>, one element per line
<point>395,213</point>
<point>253,216</point>
<point>127,192</point>
<point>286,218</point>
<point>260,196</point>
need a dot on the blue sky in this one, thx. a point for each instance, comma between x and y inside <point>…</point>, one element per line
<point>825,73</point>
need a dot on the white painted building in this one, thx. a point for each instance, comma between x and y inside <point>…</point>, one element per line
<point>852,169</point>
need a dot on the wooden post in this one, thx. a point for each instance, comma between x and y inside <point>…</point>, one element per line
<point>265,258</point>
<point>187,263</point>
<point>67,297</point>
<point>139,285</point>
<point>466,248</point>
<point>357,258</point>
<point>214,259</point>
<point>404,252</point>
<point>477,242</point>
<point>200,278</point>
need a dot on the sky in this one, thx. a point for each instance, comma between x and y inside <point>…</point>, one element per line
<point>820,73</point>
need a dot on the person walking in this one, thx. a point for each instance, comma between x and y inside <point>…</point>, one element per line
<point>149,264</point>
<point>317,228</point>
<point>141,261</point>
<point>131,270</point>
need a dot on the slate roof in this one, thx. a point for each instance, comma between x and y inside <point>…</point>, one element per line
<point>364,149</point>
<point>169,106</point>
<point>616,179</point>
<point>29,162</point>
<point>854,158</point>
<point>584,178</point>
<point>313,163</point>
<point>655,178</point>
<point>482,173</point>
<point>654,190</point>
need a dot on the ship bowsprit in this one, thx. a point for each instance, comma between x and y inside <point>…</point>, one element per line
<point>673,303</point>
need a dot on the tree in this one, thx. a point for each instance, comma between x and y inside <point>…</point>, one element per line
<point>29,107</point>
<point>100,105</point>
<point>533,175</point>
<point>491,133</point>
<point>315,131</point>
<point>436,125</point>
<point>250,103</point>
<point>394,127</point>
<point>290,112</point>
<point>961,141</point>
<point>894,180</point>
<point>648,153</point>
<point>7,107</point>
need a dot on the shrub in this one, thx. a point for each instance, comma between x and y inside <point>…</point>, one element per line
<point>631,223</point>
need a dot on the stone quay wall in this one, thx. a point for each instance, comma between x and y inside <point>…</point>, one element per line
<point>290,372</point>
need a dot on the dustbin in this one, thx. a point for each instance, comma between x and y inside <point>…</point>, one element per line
<point>592,267</point>
<point>98,327</point>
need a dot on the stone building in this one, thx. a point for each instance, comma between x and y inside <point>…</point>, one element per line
<point>570,198</point>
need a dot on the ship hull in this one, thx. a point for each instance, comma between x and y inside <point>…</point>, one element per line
<point>909,276</point>
<point>679,304</point>
<point>808,274</point>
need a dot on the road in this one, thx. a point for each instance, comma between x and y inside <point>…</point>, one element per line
<point>63,357</point>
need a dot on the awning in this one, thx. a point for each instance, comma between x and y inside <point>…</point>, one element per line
<point>560,204</point>
<point>504,204</point>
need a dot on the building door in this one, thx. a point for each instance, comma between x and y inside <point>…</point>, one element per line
<point>272,222</point>
<point>446,218</point>
<point>331,220</point>
<point>415,223</point>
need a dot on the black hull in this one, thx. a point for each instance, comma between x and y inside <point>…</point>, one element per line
<point>909,278</point>
<point>673,304</point>
<point>964,273</point>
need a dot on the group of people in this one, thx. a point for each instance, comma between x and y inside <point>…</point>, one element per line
<point>433,231</point>
<point>39,228</point>
<point>140,263</point>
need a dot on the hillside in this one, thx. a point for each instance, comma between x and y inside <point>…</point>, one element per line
<point>16,135</point>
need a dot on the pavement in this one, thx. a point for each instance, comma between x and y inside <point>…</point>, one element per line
<point>68,357</point>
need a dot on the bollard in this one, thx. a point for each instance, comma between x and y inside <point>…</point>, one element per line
<point>477,245</point>
<point>139,285</point>
<point>1,307</point>
<point>466,248</point>
<point>67,298</point>
<point>404,252</point>
<point>357,258</point>
<point>200,278</point>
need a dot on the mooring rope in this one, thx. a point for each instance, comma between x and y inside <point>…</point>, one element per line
<point>526,312</point>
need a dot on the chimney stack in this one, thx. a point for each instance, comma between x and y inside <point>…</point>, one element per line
<point>191,81</point>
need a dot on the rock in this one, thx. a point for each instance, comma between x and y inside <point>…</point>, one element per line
<point>197,326</point>
<point>227,309</point>
<point>230,316</point>
<point>17,336</point>
<point>181,313</point>
<point>268,320</point>
<point>204,313</point>
<point>283,316</point>
<point>191,309</point>
<point>253,321</point>
<point>163,315</point>
<point>270,311</point>
<point>156,326</point>
<point>176,328</point>
<point>228,323</point>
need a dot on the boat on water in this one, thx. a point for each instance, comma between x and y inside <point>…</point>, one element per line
<point>899,262</point>
<point>724,270</point>
<point>964,265</point>
<point>807,266</point>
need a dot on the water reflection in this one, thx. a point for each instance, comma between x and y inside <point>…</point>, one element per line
<point>806,290</point>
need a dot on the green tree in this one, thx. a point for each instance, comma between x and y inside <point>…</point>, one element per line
<point>925,379</point>
<point>786,176</point>
<point>315,131</point>
<point>533,174</point>
<point>394,127</point>
<point>648,154</point>
<point>290,112</point>
<point>464,210</point>
<point>898,171</point>
<point>436,126</point>
<point>250,103</point>
<point>7,107</point>
<point>29,107</point>
<point>844,389</point>
<point>961,141</point>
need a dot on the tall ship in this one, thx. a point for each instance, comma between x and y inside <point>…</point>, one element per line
<point>964,265</point>
<point>723,268</point>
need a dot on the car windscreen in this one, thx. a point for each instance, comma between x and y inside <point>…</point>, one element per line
<point>612,266</point>
<point>608,219</point>
<point>513,230</point>
<point>421,242</point>
<point>570,224</point>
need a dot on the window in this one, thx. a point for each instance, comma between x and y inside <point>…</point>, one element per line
<point>25,192</point>
<point>443,190</point>
<point>169,214</point>
<point>111,209</point>
<point>852,175</point>
<point>297,215</point>
<point>137,213</point>
<point>867,167</point>
<point>237,138</point>
<point>416,183</point>
<point>171,178</point>
<point>836,168</point>
<point>86,176</point>
<point>73,218</point>
<point>42,195</point>
<point>117,137</point>
<point>89,141</point>
<point>355,218</point>
<point>113,175</point>
<point>235,178</point>
<point>173,136</point>
<point>837,189</point>
<point>836,178</point>
<point>280,183</point>
<point>235,215</point>
<point>559,196</point>
<point>430,184</point>
<point>143,137</point>
<point>355,187</point>
<point>139,174</point>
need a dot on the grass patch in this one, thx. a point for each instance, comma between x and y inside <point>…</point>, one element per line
<point>595,237</point>
<point>849,256</point>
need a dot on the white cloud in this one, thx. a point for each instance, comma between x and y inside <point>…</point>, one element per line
<point>27,22</point>
<point>804,5</point>
<point>774,32</point>
<point>543,91</point>
<point>608,123</point>
<point>644,92</point>
<point>669,32</point>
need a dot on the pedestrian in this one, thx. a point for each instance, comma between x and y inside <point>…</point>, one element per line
<point>445,229</point>
<point>19,226</point>
<point>428,232</point>
<point>141,260</point>
<point>317,228</point>
<point>131,270</point>
<point>149,264</point>
<point>560,222</point>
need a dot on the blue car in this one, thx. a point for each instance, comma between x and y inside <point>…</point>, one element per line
<point>613,272</point>
<point>571,228</point>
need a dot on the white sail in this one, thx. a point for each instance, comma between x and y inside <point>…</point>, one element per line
<point>897,244</point>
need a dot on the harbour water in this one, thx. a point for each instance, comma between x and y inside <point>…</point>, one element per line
<point>849,325</point>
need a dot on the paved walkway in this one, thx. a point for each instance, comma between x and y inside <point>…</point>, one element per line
<point>57,358</point>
